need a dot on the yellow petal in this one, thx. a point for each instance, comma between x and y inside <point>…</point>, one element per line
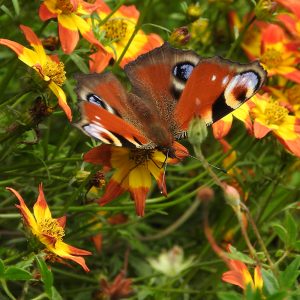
<point>67,21</point>
<point>40,209</point>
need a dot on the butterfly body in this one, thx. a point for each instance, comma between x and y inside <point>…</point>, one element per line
<point>168,88</point>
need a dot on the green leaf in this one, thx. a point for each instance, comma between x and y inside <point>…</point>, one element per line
<point>55,294</point>
<point>229,296</point>
<point>291,227</point>
<point>2,268</point>
<point>281,232</point>
<point>236,255</point>
<point>47,276</point>
<point>14,273</point>
<point>80,63</point>
<point>16,6</point>
<point>277,296</point>
<point>271,285</point>
<point>288,277</point>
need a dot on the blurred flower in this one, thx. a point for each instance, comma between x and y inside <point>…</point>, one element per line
<point>117,31</point>
<point>134,168</point>
<point>120,288</point>
<point>239,275</point>
<point>49,231</point>
<point>205,193</point>
<point>48,67</point>
<point>222,127</point>
<point>276,52</point>
<point>69,17</point>
<point>179,37</point>
<point>194,11</point>
<point>291,19</point>
<point>200,32</point>
<point>171,263</point>
<point>270,116</point>
<point>264,9</point>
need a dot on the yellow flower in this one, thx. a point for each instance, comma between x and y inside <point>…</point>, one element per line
<point>270,116</point>
<point>68,14</point>
<point>49,231</point>
<point>117,32</point>
<point>134,168</point>
<point>49,68</point>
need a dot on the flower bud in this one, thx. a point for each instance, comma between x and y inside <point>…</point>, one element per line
<point>197,131</point>
<point>232,196</point>
<point>205,194</point>
<point>200,31</point>
<point>264,9</point>
<point>179,37</point>
<point>194,11</point>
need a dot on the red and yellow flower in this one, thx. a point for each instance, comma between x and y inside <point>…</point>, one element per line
<point>117,31</point>
<point>239,275</point>
<point>69,17</point>
<point>270,116</point>
<point>134,168</point>
<point>48,230</point>
<point>48,67</point>
<point>222,127</point>
<point>276,52</point>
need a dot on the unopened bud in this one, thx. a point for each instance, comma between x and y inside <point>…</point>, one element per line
<point>232,196</point>
<point>179,37</point>
<point>264,9</point>
<point>197,131</point>
<point>205,194</point>
<point>82,175</point>
<point>194,11</point>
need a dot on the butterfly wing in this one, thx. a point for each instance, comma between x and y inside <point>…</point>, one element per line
<point>215,88</point>
<point>106,113</point>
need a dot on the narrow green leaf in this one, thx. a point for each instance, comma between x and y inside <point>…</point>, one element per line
<point>14,273</point>
<point>291,227</point>
<point>229,296</point>
<point>2,268</point>
<point>7,11</point>
<point>281,232</point>
<point>288,277</point>
<point>278,296</point>
<point>271,285</point>
<point>55,294</point>
<point>47,276</point>
<point>234,254</point>
<point>16,6</point>
<point>80,63</point>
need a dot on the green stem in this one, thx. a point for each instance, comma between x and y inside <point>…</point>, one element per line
<point>112,12</point>
<point>237,42</point>
<point>6,290</point>
<point>136,29</point>
<point>41,296</point>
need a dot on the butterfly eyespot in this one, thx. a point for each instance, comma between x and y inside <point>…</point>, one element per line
<point>100,102</point>
<point>182,71</point>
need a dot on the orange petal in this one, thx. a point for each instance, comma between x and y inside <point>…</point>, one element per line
<point>294,76</point>
<point>233,277</point>
<point>27,215</point>
<point>292,145</point>
<point>68,38</point>
<point>99,155</point>
<point>260,130</point>
<point>272,34</point>
<point>97,240</point>
<point>62,101</point>
<point>45,13</point>
<point>62,221</point>
<point>221,128</point>
<point>180,151</point>
<point>112,191</point>
<point>139,196</point>
<point>79,260</point>
<point>99,61</point>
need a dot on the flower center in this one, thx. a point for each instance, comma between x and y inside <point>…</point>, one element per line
<point>271,58</point>
<point>55,72</point>
<point>52,228</point>
<point>115,29</point>
<point>293,94</point>
<point>140,156</point>
<point>275,113</point>
<point>65,6</point>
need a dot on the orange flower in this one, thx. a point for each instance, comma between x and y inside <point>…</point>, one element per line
<point>134,168</point>
<point>48,67</point>
<point>117,31</point>
<point>276,52</point>
<point>239,275</point>
<point>68,14</point>
<point>270,116</point>
<point>48,230</point>
<point>222,127</point>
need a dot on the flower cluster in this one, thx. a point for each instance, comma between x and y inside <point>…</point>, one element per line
<point>276,46</point>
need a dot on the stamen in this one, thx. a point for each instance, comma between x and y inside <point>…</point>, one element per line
<point>65,6</point>
<point>275,113</point>
<point>140,156</point>
<point>115,29</point>
<point>55,72</point>
<point>271,58</point>
<point>52,228</point>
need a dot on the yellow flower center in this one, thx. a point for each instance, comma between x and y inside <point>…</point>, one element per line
<point>140,156</point>
<point>115,29</point>
<point>271,58</point>
<point>65,6</point>
<point>293,94</point>
<point>55,72</point>
<point>275,113</point>
<point>52,228</point>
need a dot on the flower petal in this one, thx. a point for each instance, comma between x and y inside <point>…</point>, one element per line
<point>99,155</point>
<point>222,127</point>
<point>40,209</point>
<point>113,190</point>
<point>260,130</point>
<point>68,38</point>
<point>233,277</point>
<point>99,61</point>
<point>45,14</point>
<point>62,101</point>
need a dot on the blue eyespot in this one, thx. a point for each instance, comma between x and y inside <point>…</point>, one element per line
<point>96,100</point>
<point>183,71</point>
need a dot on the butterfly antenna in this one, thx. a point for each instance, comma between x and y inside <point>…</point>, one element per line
<point>213,166</point>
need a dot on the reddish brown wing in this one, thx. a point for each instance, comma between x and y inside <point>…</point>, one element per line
<point>215,88</point>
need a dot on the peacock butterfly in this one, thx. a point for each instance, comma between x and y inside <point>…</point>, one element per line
<point>168,88</point>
